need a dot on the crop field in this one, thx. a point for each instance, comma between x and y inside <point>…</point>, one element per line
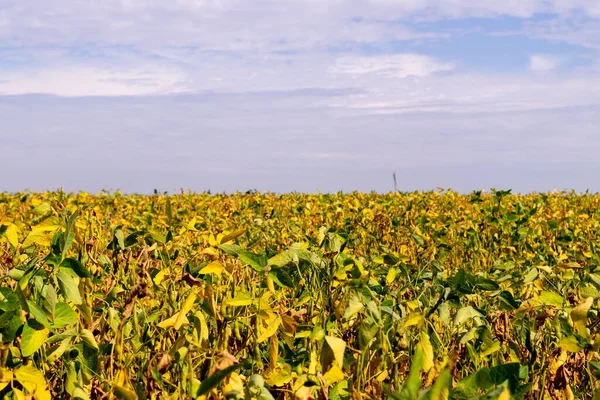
<point>428,295</point>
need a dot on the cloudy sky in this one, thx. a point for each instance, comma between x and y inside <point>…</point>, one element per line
<point>299,95</point>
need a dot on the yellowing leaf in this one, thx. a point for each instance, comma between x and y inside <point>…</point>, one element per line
<point>6,377</point>
<point>203,325</point>
<point>413,319</point>
<point>271,329</point>
<point>579,317</point>
<point>505,395</point>
<point>89,338</point>
<point>391,275</point>
<point>215,267</point>
<point>191,225</point>
<point>38,237</point>
<point>33,381</point>
<point>187,306</point>
<point>338,346</point>
<point>12,235</point>
<point>354,306</point>
<point>427,348</point>
<point>169,322</point>
<point>570,343</point>
<point>241,299</point>
<point>280,375</point>
<point>551,299</point>
<point>47,225</point>
<point>579,313</point>
<point>160,276</point>
<point>334,375</point>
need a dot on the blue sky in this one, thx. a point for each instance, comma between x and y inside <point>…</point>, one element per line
<point>299,95</point>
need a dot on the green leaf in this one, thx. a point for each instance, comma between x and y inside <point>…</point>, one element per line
<point>33,337</point>
<point>283,259</point>
<point>281,277</point>
<point>418,239</point>
<point>466,314</point>
<point>410,389</point>
<point>216,378</point>
<point>256,261</point>
<point>50,300</point>
<point>441,387</point>
<point>79,394</point>
<point>89,338</point>
<point>9,332</point>
<point>367,331</point>
<point>354,307</point>
<point>8,300</point>
<point>68,287</point>
<point>231,249</point>
<point>122,393</point>
<point>551,299</point>
<point>38,314</point>
<point>120,238</point>
<point>76,266</point>
<point>65,315</point>
<point>486,378</point>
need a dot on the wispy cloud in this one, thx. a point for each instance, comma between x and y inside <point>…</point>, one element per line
<point>396,65</point>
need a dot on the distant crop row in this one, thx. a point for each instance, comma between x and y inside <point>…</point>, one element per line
<point>430,295</point>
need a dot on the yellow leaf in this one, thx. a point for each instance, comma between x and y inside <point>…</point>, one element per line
<point>230,236</point>
<point>241,299</point>
<point>12,235</point>
<point>160,276</point>
<point>334,375</point>
<point>505,395</point>
<point>169,322</point>
<point>280,375</point>
<point>579,317</point>
<point>579,313</point>
<point>33,381</point>
<point>273,325</point>
<point>234,382</point>
<point>413,304</point>
<point>209,251</point>
<point>6,376</point>
<point>19,395</point>
<point>203,325</point>
<point>338,346</point>
<point>38,237</point>
<point>47,225</point>
<point>187,306</point>
<point>428,358</point>
<point>570,343</point>
<point>413,319</point>
<point>544,268</point>
<point>312,367</point>
<point>215,267</point>
<point>191,225</point>
<point>391,275</point>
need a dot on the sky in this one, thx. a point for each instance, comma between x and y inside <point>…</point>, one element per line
<point>299,95</point>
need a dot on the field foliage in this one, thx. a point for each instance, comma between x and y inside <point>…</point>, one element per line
<point>430,295</point>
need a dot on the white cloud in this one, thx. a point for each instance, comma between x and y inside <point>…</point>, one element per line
<point>394,65</point>
<point>543,63</point>
<point>90,81</point>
